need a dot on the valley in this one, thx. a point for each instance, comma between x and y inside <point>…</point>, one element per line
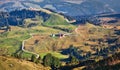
<point>28,37</point>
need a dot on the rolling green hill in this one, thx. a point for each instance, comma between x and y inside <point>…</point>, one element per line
<point>41,33</point>
<point>56,19</point>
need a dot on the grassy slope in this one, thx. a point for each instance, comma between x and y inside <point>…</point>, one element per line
<point>48,43</point>
<point>56,54</point>
<point>110,63</point>
<point>11,41</point>
<point>56,19</point>
<point>8,63</point>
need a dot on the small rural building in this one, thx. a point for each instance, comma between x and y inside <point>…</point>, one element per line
<point>60,35</point>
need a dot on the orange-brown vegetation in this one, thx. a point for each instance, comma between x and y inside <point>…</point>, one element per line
<point>19,64</point>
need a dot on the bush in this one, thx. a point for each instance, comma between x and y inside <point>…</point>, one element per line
<point>55,63</point>
<point>47,60</point>
<point>73,60</point>
<point>51,61</point>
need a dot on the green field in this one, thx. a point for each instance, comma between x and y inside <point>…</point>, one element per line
<point>11,41</point>
<point>55,19</point>
<point>56,54</point>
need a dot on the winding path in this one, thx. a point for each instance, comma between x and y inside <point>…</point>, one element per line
<point>23,45</point>
<point>37,55</point>
<point>76,29</point>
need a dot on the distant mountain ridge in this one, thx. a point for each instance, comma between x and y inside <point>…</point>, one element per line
<point>68,7</point>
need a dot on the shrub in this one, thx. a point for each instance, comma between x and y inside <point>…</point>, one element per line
<point>73,60</point>
<point>51,61</point>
